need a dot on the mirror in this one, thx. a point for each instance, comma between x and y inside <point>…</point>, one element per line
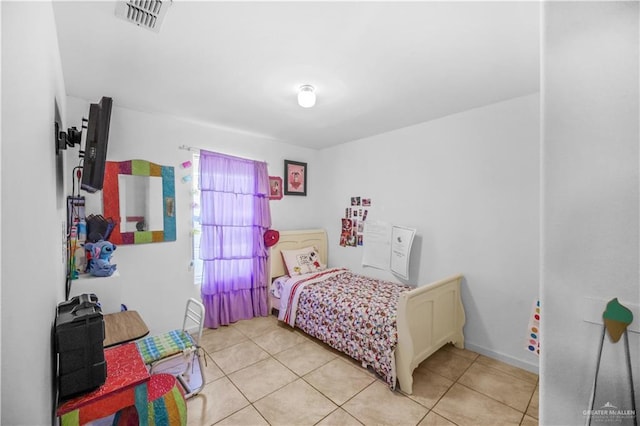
<point>140,196</point>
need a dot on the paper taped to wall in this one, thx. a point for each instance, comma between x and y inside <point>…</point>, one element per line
<point>388,247</point>
<point>401,241</point>
<point>377,235</point>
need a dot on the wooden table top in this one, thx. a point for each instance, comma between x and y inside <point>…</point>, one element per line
<point>122,327</point>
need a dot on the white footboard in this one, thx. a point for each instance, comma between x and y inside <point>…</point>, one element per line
<point>428,318</point>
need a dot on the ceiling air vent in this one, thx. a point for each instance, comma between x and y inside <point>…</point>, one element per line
<point>144,13</point>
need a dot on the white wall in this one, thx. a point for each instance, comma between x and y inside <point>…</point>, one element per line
<point>32,210</point>
<point>155,278</point>
<point>590,206</point>
<point>469,184</point>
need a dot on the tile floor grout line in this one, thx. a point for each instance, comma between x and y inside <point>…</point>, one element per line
<point>526,411</point>
<point>454,381</point>
<point>298,377</point>
<point>338,407</point>
<point>302,377</point>
<point>251,403</point>
<point>448,389</point>
<point>508,373</point>
<point>489,396</point>
<point>457,381</point>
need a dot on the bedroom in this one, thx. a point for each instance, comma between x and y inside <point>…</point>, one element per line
<point>467,227</point>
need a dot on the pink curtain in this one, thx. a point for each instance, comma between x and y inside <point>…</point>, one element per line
<point>235,214</point>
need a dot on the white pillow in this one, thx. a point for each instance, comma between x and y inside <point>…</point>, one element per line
<point>278,284</point>
<point>302,261</point>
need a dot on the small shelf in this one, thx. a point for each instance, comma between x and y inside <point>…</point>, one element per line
<point>108,290</point>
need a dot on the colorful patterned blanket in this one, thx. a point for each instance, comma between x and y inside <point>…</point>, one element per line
<point>352,313</point>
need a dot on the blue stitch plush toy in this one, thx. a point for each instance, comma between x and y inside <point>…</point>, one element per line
<point>98,258</point>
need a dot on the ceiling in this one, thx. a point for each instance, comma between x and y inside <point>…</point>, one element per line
<point>376,66</point>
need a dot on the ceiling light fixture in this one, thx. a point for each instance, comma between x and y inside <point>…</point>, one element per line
<point>307,96</point>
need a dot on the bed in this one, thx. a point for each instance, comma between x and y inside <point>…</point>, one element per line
<point>425,319</point>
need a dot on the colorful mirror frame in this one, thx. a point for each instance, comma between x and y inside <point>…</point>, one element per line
<point>111,200</point>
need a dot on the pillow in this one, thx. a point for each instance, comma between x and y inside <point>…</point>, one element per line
<point>278,284</point>
<point>302,261</point>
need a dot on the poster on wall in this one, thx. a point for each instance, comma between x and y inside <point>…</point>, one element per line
<point>295,178</point>
<point>347,236</point>
<point>377,234</point>
<point>352,233</point>
<point>401,241</point>
<point>533,335</point>
<point>275,188</point>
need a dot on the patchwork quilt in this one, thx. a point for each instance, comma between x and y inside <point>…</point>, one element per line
<point>352,313</point>
<point>154,348</point>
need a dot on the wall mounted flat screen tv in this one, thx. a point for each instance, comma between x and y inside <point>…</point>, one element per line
<point>95,150</point>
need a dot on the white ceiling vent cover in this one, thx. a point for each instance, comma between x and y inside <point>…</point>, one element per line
<point>144,13</point>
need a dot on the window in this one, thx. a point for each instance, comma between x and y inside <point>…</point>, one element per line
<point>234,215</point>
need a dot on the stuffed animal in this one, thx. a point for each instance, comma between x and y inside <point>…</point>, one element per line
<point>98,258</point>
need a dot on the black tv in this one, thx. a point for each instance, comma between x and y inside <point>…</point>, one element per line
<point>95,150</point>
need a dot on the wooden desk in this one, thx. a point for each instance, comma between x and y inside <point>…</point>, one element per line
<point>126,385</point>
<point>122,327</point>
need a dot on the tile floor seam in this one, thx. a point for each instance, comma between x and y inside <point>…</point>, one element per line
<point>251,403</point>
<point>320,421</point>
<point>456,381</point>
<point>444,417</point>
<point>257,411</point>
<point>528,403</point>
<point>341,406</point>
<point>424,417</point>
<point>298,377</point>
<point>349,399</point>
<point>453,382</point>
<point>440,399</point>
<point>508,373</point>
<point>492,398</point>
<point>246,366</point>
<point>456,356</point>
<point>399,393</point>
<point>338,407</point>
<point>235,344</point>
<point>489,396</point>
<point>522,418</point>
<point>282,364</point>
<point>526,411</point>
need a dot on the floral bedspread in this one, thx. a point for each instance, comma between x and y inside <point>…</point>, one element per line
<point>353,314</point>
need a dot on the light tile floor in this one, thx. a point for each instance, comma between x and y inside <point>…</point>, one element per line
<point>263,373</point>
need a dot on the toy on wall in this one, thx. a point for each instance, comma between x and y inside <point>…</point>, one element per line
<point>616,318</point>
<point>99,258</point>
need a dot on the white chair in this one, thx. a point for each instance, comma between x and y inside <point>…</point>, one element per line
<point>177,351</point>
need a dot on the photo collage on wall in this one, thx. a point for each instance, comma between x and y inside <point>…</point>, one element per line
<point>353,222</point>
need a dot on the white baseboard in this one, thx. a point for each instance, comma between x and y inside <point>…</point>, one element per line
<point>532,367</point>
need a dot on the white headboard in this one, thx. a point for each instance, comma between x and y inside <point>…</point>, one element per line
<point>291,240</point>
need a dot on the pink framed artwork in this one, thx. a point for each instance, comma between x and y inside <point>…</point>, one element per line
<point>295,178</point>
<point>275,188</point>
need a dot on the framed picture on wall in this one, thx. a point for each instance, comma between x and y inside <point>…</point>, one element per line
<point>295,178</point>
<point>275,187</point>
